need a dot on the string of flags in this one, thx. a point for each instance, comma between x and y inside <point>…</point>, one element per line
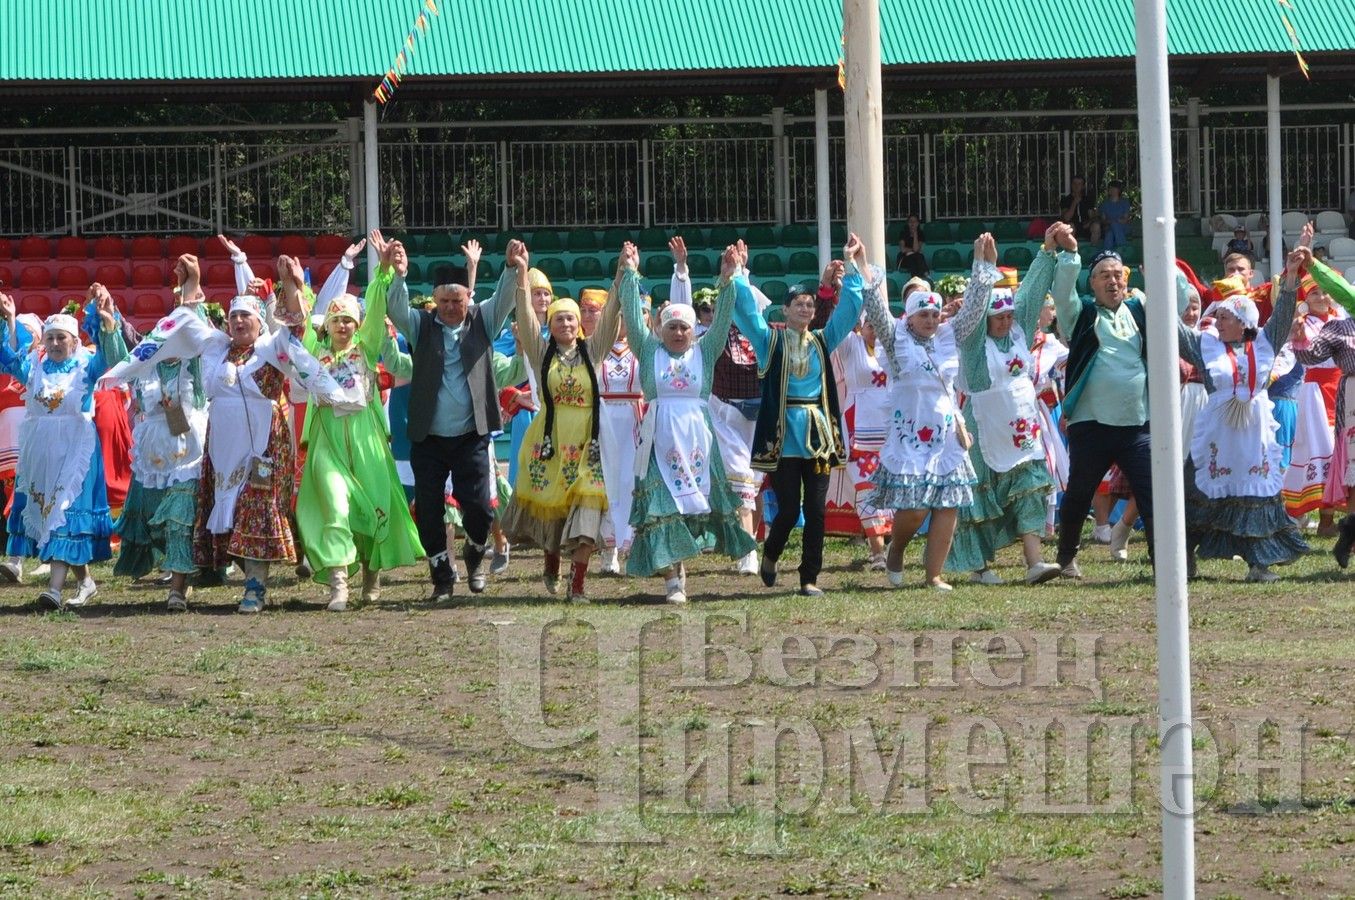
<point>386,89</point>
<point>1293,37</point>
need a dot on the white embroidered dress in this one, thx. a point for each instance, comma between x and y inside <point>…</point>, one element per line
<point>619,433</point>
<point>681,438</point>
<point>56,440</point>
<point>1237,457</point>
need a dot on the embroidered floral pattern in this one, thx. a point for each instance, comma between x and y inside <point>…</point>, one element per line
<point>51,400</point>
<point>686,473</point>
<point>916,436</point>
<point>678,376</point>
<point>1216,470</point>
<point>1015,366</point>
<point>1025,433</point>
<point>536,469</point>
<point>570,455</point>
<point>570,391</point>
<point>1262,470</point>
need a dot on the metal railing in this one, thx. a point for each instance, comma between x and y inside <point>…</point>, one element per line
<point>449,186</point>
<point>996,174</point>
<point>159,189</point>
<point>713,181</point>
<point>1102,156</point>
<point>903,177</point>
<point>35,185</point>
<point>575,183</point>
<point>291,187</point>
<point>1236,158</point>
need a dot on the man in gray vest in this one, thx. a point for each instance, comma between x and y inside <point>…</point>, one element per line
<point>453,407</point>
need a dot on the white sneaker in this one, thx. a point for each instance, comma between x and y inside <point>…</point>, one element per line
<point>87,592</point>
<point>1119,541</point>
<point>1261,574</point>
<point>939,585</point>
<point>876,563</point>
<point>748,563</point>
<point>42,571</point>
<point>1042,572</point>
<point>985,576</point>
<point>500,563</point>
<point>895,578</point>
<point>12,570</point>
<point>611,563</point>
<point>1101,534</point>
<point>673,585</point>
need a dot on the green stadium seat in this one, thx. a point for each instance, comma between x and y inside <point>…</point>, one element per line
<point>947,260</point>
<point>802,262</point>
<point>1136,280</point>
<point>1009,230</point>
<point>767,264</point>
<point>653,238</point>
<point>760,236</point>
<point>797,235</point>
<point>700,266</point>
<point>552,267</point>
<point>721,236</point>
<point>613,238</point>
<point>894,231</point>
<point>502,238</point>
<point>1018,257</point>
<point>583,240</point>
<point>968,230</point>
<point>838,234</point>
<point>484,273</point>
<point>415,274</point>
<point>587,267</point>
<point>547,241</point>
<point>438,243</point>
<point>660,265</point>
<point>658,292</point>
<point>894,286</point>
<point>939,232</point>
<point>1132,254</point>
<point>775,290</point>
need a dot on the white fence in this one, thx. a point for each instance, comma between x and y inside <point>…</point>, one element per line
<point>296,185</point>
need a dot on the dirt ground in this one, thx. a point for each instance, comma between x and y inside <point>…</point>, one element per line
<point>509,744</point>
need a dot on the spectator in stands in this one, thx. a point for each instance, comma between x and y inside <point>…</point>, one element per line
<point>1078,210</point>
<point>1106,405</point>
<point>454,410</point>
<point>1241,242</point>
<point>60,506</point>
<point>1115,213</point>
<point>682,500</point>
<point>560,496</point>
<point>798,434</point>
<point>911,258</point>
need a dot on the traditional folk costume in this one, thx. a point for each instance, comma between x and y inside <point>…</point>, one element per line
<point>682,500</point>
<point>798,436</point>
<point>1234,474</point>
<point>529,401</point>
<point>11,420</point>
<point>245,492</point>
<point>1049,356</point>
<point>1336,342</point>
<point>351,508</point>
<point>560,496</point>
<point>1013,482</point>
<point>1313,481</point>
<point>169,434</point>
<point>60,509</point>
<point>864,395</point>
<point>623,406</point>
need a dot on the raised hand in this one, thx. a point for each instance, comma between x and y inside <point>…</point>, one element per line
<point>471,250</point>
<point>103,305</point>
<point>186,269</point>
<point>985,248</point>
<point>516,255</point>
<point>230,245</point>
<point>742,249</point>
<point>1306,235</point>
<point>1051,236</point>
<point>1064,236</point>
<point>855,251</point>
<point>290,272</point>
<point>629,258</point>
<point>1299,259</point>
<point>729,262</point>
<point>257,286</point>
<point>399,259</point>
<point>354,249</point>
<point>7,308</point>
<point>832,273</point>
<point>378,244</point>
<point>678,247</point>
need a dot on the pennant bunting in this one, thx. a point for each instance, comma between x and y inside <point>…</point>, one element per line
<point>421,23</point>
<point>395,73</point>
<point>1293,37</point>
<point>842,63</point>
<point>432,7</point>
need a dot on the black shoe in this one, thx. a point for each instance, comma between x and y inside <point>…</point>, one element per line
<point>768,571</point>
<point>440,569</point>
<point>475,569</point>
<point>210,578</point>
<point>1345,540</point>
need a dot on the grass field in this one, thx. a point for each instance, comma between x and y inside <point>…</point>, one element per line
<point>406,748</point>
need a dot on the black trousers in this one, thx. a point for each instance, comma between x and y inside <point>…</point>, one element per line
<point>793,475</point>
<point>466,458</point>
<point>1092,449</point>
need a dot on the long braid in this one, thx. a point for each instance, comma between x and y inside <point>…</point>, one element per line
<point>548,442</point>
<point>592,380</point>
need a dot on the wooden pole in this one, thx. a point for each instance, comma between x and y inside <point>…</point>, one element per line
<point>864,126</point>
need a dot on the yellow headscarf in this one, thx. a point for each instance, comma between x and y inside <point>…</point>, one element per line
<point>536,279</point>
<point>1230,286</point>
<point>563,304</point>
<point>593,297</point>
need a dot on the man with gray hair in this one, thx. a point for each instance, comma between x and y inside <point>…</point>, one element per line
<point>1106,404</point>
<point>453,406</point>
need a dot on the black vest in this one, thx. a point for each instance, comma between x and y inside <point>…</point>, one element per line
<point>429,362</point>
<point>769,433</point>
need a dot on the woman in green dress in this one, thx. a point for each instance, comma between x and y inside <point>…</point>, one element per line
<point>682,502</point>
<point>351,508</point>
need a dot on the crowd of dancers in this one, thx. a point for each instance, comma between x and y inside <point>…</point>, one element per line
<point>298,428</point>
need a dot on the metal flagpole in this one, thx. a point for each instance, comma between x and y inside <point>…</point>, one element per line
<point>1169,539</point>
<point>372,179</point>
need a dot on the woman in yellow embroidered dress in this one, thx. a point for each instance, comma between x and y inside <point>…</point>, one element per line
<point>559,498</point>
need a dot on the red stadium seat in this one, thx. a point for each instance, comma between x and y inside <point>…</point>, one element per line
<point>256,246</point>
<point>331,246</point>
<point>147,275</point>
<point>214,249</point>
<point>72,248</point>
<point>35,248</point>
<point>148,247</point>
<point>295,245</point>
<point>6,248</point>
<point>70,278</point>
<point>36,278</point>
<point>220,275</point>
<point>150,306</point>
<point>320,274</point>
<point>37,304</point>
<point>181,244</point>
<point>111,276</point>
<point>6,278</point>
<point>264,269</point>
<point>111,248</point>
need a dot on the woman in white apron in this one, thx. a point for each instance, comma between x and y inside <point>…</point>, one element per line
<point>682,500</point>
<point>619,432</point>
<point>245,492</point>
<point>60,503</point>
<point>924,467</point>
<point>997,371</point>
<point>1235,470</point>
<point>866,409</point>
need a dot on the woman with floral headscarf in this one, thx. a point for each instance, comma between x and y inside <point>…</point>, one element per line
<point>997,371</point>
<point>351,507</point>
<point>560,498</point>
<point>60,508</point>
<point>1235,470</point>
<point>245,492</point>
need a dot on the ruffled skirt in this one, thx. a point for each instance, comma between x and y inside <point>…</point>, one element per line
<point>1258,529</point>
<point>156,527</point>
<point>925,491</point>
<point>1006,506</point>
